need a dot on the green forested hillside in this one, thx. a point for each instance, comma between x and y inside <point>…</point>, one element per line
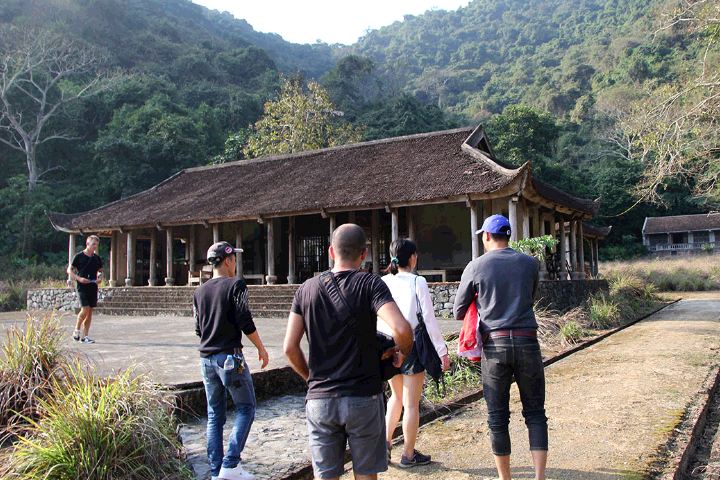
<point>552,54</point>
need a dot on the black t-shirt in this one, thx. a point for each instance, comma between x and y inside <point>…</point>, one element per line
<point>87,267</point>
<point>343,359</point>
<point>222,315</point>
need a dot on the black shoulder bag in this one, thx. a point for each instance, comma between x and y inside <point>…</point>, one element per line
<point>384,342</point>
<point>425,348</point>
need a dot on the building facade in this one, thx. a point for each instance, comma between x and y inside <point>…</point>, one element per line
<point>435,188</point>
<point>682,234</point>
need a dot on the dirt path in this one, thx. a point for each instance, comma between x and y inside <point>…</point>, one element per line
<point>612,407</point>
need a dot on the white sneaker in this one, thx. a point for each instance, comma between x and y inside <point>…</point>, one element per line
<point>87,340</point>
<point>213,477</point>
<point>237,473</point>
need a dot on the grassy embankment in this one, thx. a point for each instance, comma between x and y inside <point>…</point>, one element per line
<point>16,280</point>
<point>59,420</point>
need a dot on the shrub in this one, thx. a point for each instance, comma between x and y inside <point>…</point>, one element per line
<point>101,428</point>
<point>462,376</point>
<point>572,332</point>
<point>13,295</point>
<point>690,273</point>
<point>30,358</point>
<point>604,313</point>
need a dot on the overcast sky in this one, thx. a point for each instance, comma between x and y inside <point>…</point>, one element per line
<point>330,21</point>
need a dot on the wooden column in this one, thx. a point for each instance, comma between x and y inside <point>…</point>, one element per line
<point>374,243</point>
<point>573,247</point>
<point>581,249</point>
<point>536,221</point>
<point>597,256</point>
<point>395,228</point>
<point>153,258</point>
<point>239,255</point>
<point>270,278</point>
<point>71,250</point>
<point>291,250</point>
<point>130,278</point>
<point>563,248</point>
<point>332,219</point>
<point>216,232</point>
<point>525,219</point>
<point>591,244</point>
<point>474,225</point>
<point>169,278</point>
<point>112,281</point>
<point>487,209</point>
<point>191,249</point>
<point>512,213</point>
<point>411,224</point>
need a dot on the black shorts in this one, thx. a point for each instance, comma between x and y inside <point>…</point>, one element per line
<point>412,364</point>
<point>88,295</point>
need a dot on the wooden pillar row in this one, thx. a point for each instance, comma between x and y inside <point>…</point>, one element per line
<point>563,248</point>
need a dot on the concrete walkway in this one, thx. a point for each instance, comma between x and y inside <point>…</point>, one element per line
<point>611,407</point>
<point>165,347</point>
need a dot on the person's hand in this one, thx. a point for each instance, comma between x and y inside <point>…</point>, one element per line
<point>263,357</point>
<point>83,280</point>
<point>445,362</point>
<point>388,353</point>
<point>399,358</point>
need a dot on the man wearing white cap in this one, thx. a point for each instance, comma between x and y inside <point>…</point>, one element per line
<point>505,283</point>
<point>222,315</point>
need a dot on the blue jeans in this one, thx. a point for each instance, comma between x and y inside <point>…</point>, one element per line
<point>502,359</point>
<point>217,382</point>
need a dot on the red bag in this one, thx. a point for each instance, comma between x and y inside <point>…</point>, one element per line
<point>469,345</point>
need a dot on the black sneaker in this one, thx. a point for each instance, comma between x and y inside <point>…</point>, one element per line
<point>76,335</point>
<point>417,459</point>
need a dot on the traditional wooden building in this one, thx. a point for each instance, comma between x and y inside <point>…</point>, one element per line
<point>682,234</point>
<point>435,188</point>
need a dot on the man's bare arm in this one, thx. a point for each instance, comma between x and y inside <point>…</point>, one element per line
<point>402,333</point>
<point>291,345</point>
<point>263,356</point>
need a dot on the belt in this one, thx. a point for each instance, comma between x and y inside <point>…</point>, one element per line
<point>511,333</point>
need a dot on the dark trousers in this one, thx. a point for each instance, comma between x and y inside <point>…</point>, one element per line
<point>502,359</point>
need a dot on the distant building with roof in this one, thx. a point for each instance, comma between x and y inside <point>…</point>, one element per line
<point>682,234</point>
<point>434,187</point>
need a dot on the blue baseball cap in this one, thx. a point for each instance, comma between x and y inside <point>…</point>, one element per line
<point>495,224</point>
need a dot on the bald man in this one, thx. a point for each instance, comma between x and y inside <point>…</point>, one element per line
<point>338,312</point>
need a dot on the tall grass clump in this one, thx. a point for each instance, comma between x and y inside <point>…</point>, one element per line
<point>30,356</point>
<point>462,376</point>
<point>604,313</point>
<point>117,428</point>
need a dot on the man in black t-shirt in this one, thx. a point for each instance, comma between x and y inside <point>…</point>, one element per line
<point>344,398</point>
<point>85,269</point>
<point>222,315</point>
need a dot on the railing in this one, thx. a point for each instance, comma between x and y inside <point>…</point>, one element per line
<point>660,247</point>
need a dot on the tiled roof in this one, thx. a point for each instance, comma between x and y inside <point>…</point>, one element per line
<point>429,167</point>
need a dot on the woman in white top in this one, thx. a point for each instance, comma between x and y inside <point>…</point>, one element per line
<point>407,288</point>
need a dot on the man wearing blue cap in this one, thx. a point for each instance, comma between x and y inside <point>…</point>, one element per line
<point>505,283</point>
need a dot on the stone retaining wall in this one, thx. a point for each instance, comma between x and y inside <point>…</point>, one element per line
<point>556,295</point>
<point>63,299</point>
<point>552,294</point>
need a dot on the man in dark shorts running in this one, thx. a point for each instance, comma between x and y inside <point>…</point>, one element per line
<point>505,282</point>
<point>338,312</point>
<point>85,269</point>
<point>222,316</point>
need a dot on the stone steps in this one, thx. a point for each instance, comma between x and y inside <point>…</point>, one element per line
<point>265,300</point>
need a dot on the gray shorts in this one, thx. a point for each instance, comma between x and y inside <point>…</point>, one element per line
<point>357,421</point>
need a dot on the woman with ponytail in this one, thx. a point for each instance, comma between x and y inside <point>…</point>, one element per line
<point>409,291</point>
